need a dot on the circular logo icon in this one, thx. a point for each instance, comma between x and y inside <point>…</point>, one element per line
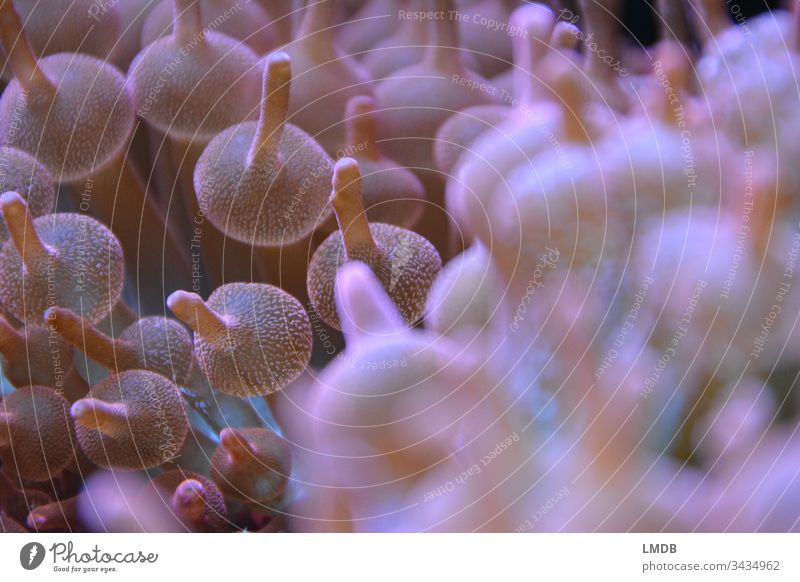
<point>31,555</point>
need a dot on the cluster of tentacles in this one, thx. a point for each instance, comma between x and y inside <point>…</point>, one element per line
<point>397,265</point>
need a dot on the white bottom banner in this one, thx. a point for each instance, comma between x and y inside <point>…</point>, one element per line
<point>382,557</point>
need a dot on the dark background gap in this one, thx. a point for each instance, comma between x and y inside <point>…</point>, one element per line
<point>639,18</point>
